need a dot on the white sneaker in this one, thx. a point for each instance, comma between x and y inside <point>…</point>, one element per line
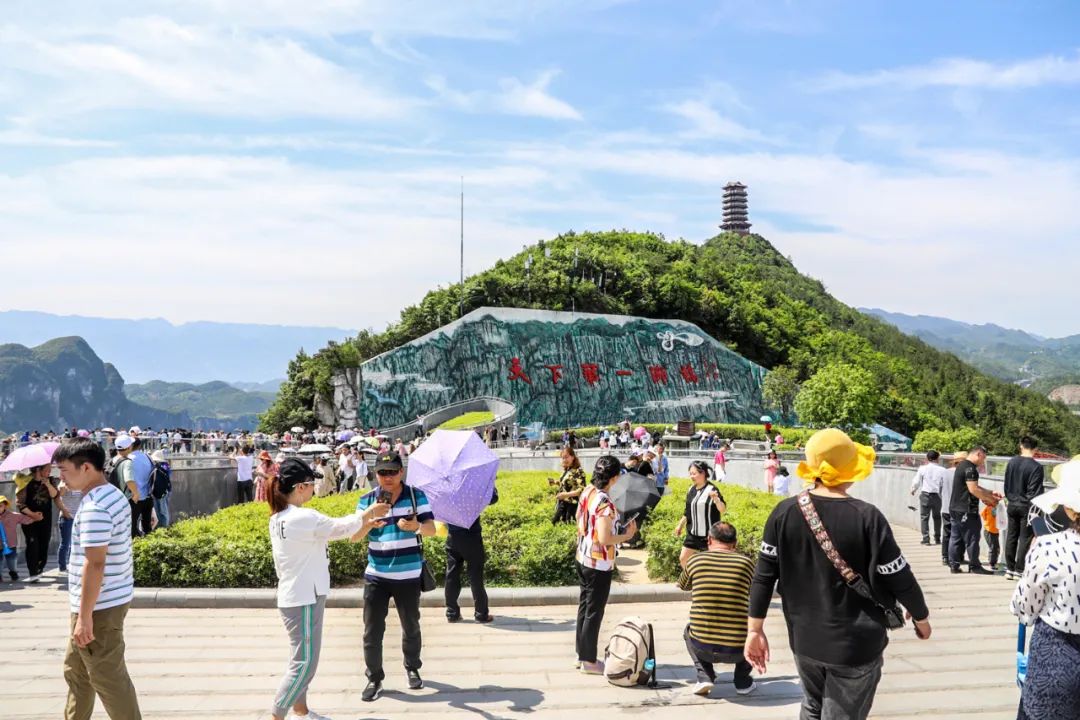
<point>703,688</point>
<point>747,690</point>
<point>33,579</point>
<point>311,715</point>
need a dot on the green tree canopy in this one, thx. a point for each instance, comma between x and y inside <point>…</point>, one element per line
<point>839,395</point>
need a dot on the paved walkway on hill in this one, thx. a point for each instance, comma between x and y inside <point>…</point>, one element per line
<point>200,664</point>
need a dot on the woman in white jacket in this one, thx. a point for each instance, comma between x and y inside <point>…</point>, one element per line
<point>299,536</point>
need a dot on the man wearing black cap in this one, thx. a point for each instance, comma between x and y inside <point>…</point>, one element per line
<point>393,570</point>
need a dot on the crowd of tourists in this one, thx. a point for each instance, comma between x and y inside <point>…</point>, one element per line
<point>843,580</point>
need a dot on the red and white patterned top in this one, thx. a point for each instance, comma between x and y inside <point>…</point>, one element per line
<point>593,504</point>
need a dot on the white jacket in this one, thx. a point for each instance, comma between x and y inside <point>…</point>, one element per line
<point>298,537</point>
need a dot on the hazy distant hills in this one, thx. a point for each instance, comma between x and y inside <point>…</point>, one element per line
<point>63,383</point>
<point>1013,355</point>
<point>209,405</point>
<point>197,352</point>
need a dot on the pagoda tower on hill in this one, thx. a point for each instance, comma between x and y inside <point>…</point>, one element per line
<point>736,218</point>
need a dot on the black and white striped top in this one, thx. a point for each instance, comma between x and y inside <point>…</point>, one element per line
<point>701,513</point>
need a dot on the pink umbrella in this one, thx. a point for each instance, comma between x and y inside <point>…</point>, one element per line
<point>30,456</point>
<point>84,433</point>
<point>639,431</point>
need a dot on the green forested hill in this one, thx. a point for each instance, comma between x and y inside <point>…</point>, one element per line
<point>743,292</point>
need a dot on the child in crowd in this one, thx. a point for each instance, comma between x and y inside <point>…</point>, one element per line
<point>9,520</point>
<point>990,534</point>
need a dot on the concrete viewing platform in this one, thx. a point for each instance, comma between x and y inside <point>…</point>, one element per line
<point>197,663</point>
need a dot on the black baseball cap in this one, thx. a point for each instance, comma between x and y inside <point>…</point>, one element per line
<point>388,461</point>
<point>292,472</point>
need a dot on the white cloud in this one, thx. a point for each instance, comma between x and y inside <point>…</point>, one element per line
<point>962,73</point>
<point>533,99</point>
<point>159,64</point>
<point>513,98</point>
<point>706,122</point>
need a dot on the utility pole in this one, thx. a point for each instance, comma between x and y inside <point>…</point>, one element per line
<point>461,301</point>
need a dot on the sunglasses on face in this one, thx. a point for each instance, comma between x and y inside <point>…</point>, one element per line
<point>387,473</point>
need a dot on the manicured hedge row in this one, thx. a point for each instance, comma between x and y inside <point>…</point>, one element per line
<point>792,436</point>
<point>231,548</point>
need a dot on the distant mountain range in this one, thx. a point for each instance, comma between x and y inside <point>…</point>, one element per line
<point>1013,355</point>
<point>196,352</point>
<point>63,383</point>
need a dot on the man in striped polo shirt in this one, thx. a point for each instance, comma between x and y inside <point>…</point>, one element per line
<point>719,580</point>
<point>394,564</point>
<point>100,587</point>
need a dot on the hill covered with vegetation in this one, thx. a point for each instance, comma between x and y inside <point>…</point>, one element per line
<point>743,292</point>
<point>210,405</point>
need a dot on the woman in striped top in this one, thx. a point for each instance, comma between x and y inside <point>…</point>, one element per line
<point>704,506</point>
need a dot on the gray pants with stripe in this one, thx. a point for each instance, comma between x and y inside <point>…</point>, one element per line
<point>304,625</point>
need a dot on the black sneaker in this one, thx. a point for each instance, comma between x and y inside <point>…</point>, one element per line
<point>453,618</point>
<point>415,681</point>
<point>484,618</point>
<point>925,541</point>
<point>944,561</point>
<point>14,576</point>
<point>955,569</point>
<point>372,691</point>
<point>980,570</point>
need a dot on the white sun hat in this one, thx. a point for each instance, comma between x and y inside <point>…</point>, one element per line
<point>1066,493</point>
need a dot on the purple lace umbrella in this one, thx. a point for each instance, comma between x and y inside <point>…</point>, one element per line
<point>456,470</point>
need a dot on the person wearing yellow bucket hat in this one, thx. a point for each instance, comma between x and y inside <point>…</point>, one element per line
<point>842,574</point>
<point>1046,597</point>
<point>9,520</point>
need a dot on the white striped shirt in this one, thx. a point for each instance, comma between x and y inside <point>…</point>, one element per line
<point>103,519</point>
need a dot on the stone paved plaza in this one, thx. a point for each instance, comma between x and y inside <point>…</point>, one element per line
<point>199,664</point>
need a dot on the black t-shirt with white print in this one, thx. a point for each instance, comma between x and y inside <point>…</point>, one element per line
<point>827,621</point>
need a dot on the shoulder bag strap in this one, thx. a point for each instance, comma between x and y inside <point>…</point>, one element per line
<point>854,580</point>
<point>419,542</point>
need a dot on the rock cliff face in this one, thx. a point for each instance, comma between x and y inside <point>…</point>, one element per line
<point>564,369</point>
<point>63,383</point>
<point>1068,394</point>
<point>342,410</point>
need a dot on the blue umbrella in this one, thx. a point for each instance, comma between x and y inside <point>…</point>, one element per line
<point>765,419</point>
<point>456,471</point>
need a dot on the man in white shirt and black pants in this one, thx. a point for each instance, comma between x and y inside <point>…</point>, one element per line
<point>928,481</point>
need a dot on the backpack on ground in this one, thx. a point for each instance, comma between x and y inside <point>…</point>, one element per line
<point>115,478</point>
<point>630,655</point>
<point>160,482</point>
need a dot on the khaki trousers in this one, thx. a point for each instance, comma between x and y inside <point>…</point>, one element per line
<point>99,670</point>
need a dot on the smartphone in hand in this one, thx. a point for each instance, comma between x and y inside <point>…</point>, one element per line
<point>385,497</point>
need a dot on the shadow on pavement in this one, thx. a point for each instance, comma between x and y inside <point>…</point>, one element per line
<point>522,700</point>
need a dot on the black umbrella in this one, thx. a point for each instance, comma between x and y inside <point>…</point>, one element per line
<point>634,494</point>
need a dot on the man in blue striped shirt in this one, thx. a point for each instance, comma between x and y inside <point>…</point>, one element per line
<point>393,569</point>
<point>100,587</point>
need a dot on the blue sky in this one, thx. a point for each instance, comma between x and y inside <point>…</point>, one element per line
<point>298,162</point>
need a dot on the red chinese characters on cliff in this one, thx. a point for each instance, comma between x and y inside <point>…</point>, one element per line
<point>688,374</point>
<point>590,373</point>
<point>658,374</point>
<point>517,372</point>
<point>556,373</point>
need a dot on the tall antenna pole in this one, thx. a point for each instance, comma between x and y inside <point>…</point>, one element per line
<point>461,301</point>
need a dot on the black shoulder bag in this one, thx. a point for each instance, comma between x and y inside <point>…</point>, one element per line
<point>894,616</point>
<point>427,578</point>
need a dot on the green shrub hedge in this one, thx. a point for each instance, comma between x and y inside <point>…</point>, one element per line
<point>231,548</point>
<point>747,510</point>
<point>792,436</point>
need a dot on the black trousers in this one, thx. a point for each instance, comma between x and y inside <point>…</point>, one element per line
<point>465,550</point>
<point>993,545</point>
<point>595,588</point>
<point>965,536</point>
<point>37,535</point>
<point>837,692</point>
<point>930,505</point>
<point>245,492</point>
<point>705,656</point>
<point>946,533</point>
<point>377,597</point>
<point>1018,538</point>
<point>565,512</point>
<point>141,517</point>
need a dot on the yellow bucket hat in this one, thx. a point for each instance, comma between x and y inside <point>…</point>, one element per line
<point>4,500</point>
<point>22,479</point>
<point>834,459</point>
